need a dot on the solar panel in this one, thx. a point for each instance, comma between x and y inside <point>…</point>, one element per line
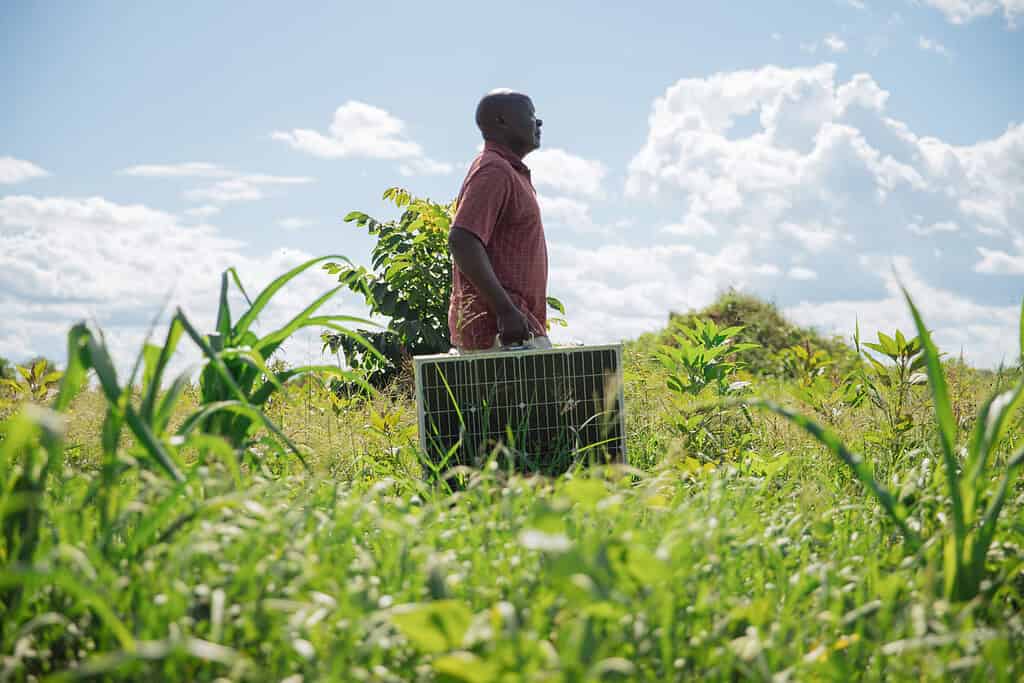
<point>551,406</point>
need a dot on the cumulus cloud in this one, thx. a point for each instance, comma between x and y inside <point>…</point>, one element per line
<point>965,11</point>
<point>17,170</point>
<point>566,212</point>
<point>981,331</point>
<point>996,262</point>
<point>565,172</point>
<point>361,130</point>
<point>617,291</point>
<point>66,259</point>
<point>810,174</point>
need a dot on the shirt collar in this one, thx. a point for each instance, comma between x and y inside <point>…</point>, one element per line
<point>506,154</point>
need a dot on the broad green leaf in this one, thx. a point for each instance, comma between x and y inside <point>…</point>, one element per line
<point>889,345</point>
<point>433,627</point>
<point>556,304</point>
<point>586,492</point>
<point>464,667</point>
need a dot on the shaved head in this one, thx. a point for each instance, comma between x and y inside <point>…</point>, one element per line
<point>497,104</point>
<point>508,117</point>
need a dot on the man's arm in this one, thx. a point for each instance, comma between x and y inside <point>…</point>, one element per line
<point>471,258</point>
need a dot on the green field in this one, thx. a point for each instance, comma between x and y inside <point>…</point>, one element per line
<point>735,546</point>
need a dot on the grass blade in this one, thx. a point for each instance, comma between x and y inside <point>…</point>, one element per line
<point>77,370</point>
<point>265,296</point>
<point>223,308</point>
<point>225,375</point>
<point>831,441</point>
<point>170,344</point>
<point>270,342</point>
<point>944,420</point>
<point>26,577</point>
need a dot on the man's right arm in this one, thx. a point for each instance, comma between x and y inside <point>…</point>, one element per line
<point>471,258</point>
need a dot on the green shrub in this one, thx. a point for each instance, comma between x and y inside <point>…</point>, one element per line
<point>409,283</point>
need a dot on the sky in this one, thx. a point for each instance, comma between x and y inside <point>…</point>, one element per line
<point>816,154</point>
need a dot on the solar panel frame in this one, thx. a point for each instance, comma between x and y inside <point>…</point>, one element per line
<point>490,383</point>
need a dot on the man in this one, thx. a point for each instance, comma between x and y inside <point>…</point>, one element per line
<point>499,282</point>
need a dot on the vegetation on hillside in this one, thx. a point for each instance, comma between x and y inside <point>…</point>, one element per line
<point>763,325</point>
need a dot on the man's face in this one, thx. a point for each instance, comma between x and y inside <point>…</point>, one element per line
<point>524,126</point>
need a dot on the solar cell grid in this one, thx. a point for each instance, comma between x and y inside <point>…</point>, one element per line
<point>558,403</point>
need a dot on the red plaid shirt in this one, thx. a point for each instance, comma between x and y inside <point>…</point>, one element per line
<point>498,204</point>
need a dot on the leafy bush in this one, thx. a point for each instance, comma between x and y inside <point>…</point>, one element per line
<point>34,381</point>
<point>409,283</point>
<point>702,356</point>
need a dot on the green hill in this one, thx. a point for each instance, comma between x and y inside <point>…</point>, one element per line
<point>763,324</point>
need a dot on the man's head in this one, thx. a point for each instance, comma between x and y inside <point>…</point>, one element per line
<point>508,117</point>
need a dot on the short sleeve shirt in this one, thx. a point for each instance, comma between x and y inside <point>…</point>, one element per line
<point>498,204</point>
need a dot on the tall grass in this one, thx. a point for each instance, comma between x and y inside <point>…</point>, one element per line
<point>190,553</point>
<point>974,505</point>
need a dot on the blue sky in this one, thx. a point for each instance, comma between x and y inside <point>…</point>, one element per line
<point>801,151</point>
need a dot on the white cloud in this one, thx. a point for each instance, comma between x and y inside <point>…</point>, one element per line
<point>806,170</point>
<point>241,188</point>
<point>235,186</point>
<point>560,170</point>
<point>813,237</point>
<point>425,166</point>
<point>188,169</point>
<point>67,259</point>
<point>831,42</point>
<point>834,43</point>
<point>857,4</point>
<point>293,223</point>
<point>985,333</point>
<point>964,11</point>
<point>929,45</point>
<point>357,130</point>
<point>925,230</point>
<point>801,273</point>
<point>996,262</point>
<point>361,130</point>
<point>692,226</point>
<point>570,213</point>
<point>617,291</point>
<point>17,170</point>
<point>205,211</point>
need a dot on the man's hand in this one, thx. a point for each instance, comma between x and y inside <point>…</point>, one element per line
<point>513,327</point>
